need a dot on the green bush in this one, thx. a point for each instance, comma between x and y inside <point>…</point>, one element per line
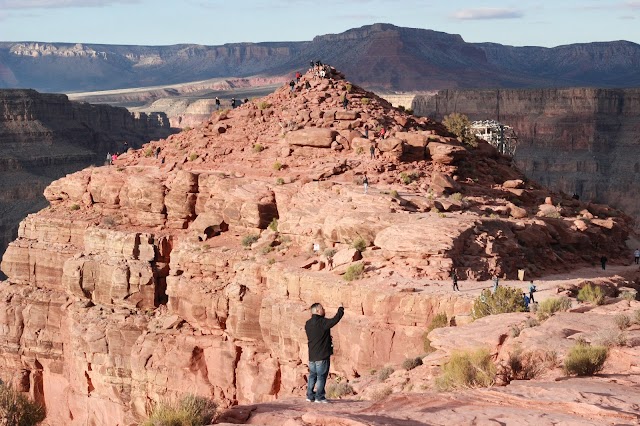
<point>365,101</point>
<point>359,244</point>
<point>504,300</point>
<point>148,152</point>
<point>329,253</point>
<point>338,390</point>
<point>522,366</point>
<point>264,105</point>
<point>591,293</point>
<point>349,87</point>
<point>467,369</point>
<point>354,272</point>
<point>274,224</point>
<point>459,125</point>
<point>277,166</point>
<point>407,178</point>
<point>193,157</point>
<point>279,181</point>
<point>258,148</point>
<point>622,321</point>
<point>457,196</point>
<point>394,193</point>
<point>585,360</point>
<point>17,410</point>
<point>380,394</point>
<point>439,321</point>
<point>384,373</point>
<point>552,305</point>
<point>248,240</point>
<point>636,316</point>
<point>189,411</point>
<point>359,150</point>
<point>74,207</point>
<point>411,363</point>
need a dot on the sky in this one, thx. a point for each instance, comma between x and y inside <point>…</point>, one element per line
<point>214,22</point>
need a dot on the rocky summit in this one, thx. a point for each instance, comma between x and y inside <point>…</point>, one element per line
<point>188,266</point>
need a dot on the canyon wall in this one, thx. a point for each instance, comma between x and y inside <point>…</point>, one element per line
<point>581,140</point>
<point>45,136</point>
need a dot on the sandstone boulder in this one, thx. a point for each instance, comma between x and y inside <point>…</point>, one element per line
<point>446,154</point>
<point>345,256</point>
<point>313,137</point>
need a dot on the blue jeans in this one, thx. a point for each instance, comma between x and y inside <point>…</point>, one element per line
<point>318,373</point>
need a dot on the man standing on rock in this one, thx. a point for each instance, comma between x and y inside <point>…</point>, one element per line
<point>454,277</point>
<point>217,103</point>
<point>365,183</point>
<point>636,255</point>
<point>318,330</point>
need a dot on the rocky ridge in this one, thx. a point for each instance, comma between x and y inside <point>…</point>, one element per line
<point>193,271</point>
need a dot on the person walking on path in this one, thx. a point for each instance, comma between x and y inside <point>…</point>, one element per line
<point>108,162</point>
<point>366,131</point>
<point>298,75</point>
<point>382,133</point>
<point>233,103</point>
<point>157,152</point>
<point>318,329</point>
<point>525,301</point>
<point>532,289</point>
<point>372,150</point>
<point>345,101</point>
<point>217,104</point>
<point>292,84</point>
<point>636,255</point>
<point>454,277</point>
<point>603,262</point>
<point>495,284</point>
<point>365,182</point>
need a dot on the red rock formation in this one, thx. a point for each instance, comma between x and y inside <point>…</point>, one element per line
<point>156,277</point>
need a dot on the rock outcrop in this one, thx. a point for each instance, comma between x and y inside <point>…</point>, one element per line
<point>193,272</point>
<point>572,140</point>
<point>44,137</point>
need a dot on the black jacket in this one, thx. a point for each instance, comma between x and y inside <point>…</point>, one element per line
<point>319,335</point>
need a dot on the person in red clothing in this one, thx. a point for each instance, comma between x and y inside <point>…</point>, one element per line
<point>318,329</point>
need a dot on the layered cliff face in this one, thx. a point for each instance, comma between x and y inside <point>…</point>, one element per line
<point>44,137</point>
<point>579,141</point>
<point>193,272</point>
<point>379,56</point>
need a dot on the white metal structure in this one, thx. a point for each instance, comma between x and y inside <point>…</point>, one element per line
<point>497,134</point>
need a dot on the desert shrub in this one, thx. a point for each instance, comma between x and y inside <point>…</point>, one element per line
<point>193,157</point>
<point>636,316</point>
<point>409,111</point>
<point>394,193</point>
<point>267,249</point>
<point>359,150</point>
<point>467,369</point>
<point>628,296</point>
<point>109,221</point>
<point>18,410</point>
<point>610,337</point>
<point>515,331</point>
<point>585,360</point>
<point>407,178</point>
<point>531,322</point>
<point>622,321</point>
<point>552,305</point>
<point>74,207</point>
<point>354,272</point>
<point>188,411</point>
<point>504,300</point>
<point>338,390</point>
<point>264,105</point>
<point>438,321</point>
<point>365,101</point>
<point>521,366</point>
<point>411,363</point>
<point>148,152</point>
<point>442,215</point>
<point>384,373</point>
<point>359,244</point>
<point>271,261</point>
<point>279,181</point>
<point>459,125</point>
<point>591,293</point>
<point>380,394</point>
<point>457,196</point>
<point>274,224</point>
<point>258,148</point>
<point>248,240</point>
<point>329,253</point>
<point>349,87</point>
<point>186,129</point>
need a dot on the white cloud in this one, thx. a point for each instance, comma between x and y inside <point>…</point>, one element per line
<point>487,13</point>
<point>51,4</point>
<point>632,5</point>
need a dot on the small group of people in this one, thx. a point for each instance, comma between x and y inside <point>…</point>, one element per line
<point>233,102</point>
<point>111,158</point>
